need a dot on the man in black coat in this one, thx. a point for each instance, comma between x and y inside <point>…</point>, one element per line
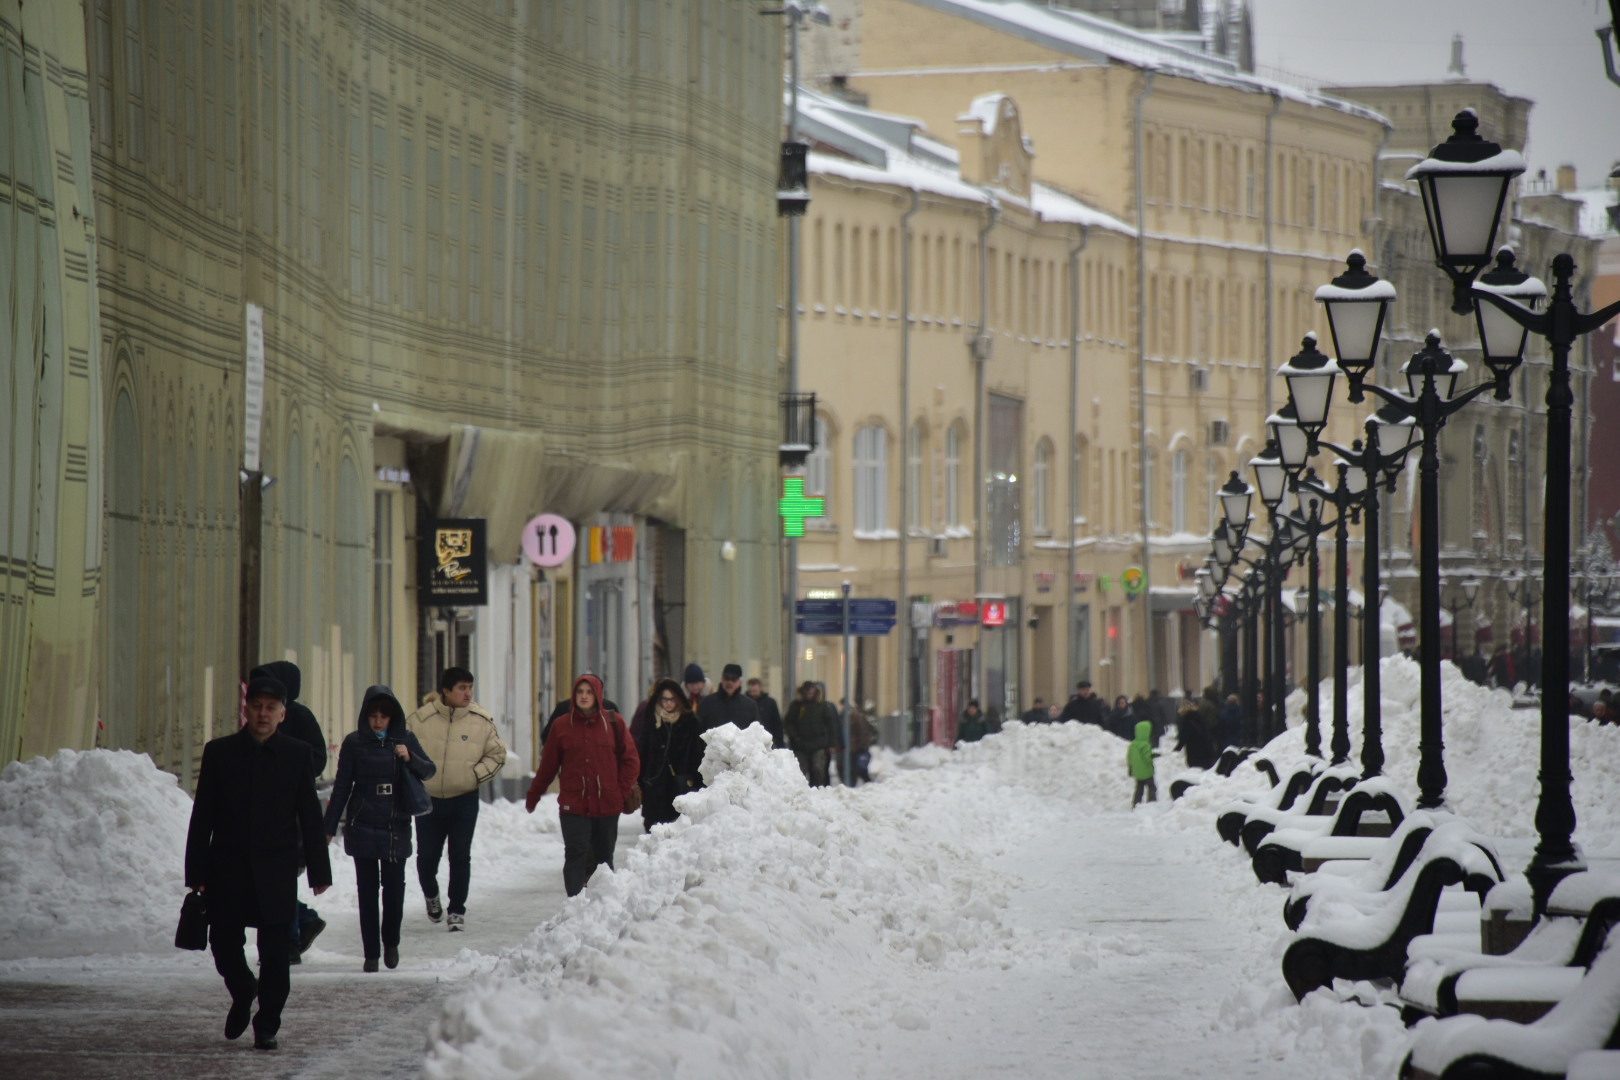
<point>255,803</point>
<point>727,705</point>
<point>769,714</point>
<point>1085,706</point>
<point>302,725</point>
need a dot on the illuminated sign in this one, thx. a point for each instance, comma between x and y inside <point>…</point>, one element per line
<point>794,506</point>
<point>454,563</point>
<point>1134,580</point>
<point>995,613</point>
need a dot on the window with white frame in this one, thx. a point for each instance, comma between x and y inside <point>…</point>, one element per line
<point>818,469</point>
<point>1042,479</point>
<point>1178,491</point>
<point>871,479</point>
<point>953,475</point>
<point>916,489</point>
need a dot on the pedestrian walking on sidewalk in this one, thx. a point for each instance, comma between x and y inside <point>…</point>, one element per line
<point>302,725</point>
<point>370,798</point>
<point>594,760</point>
<point>469,752</point>
<point>1139,763</point>
<point>811,727</point>
<point>728,705</point>
<point>670,745</point>
<point>255,805</point>
<point>770,714</point>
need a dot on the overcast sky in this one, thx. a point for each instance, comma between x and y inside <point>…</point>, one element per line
<point>1545,50</point>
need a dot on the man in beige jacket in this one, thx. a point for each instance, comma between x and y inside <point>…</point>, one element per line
<point>460,736</point>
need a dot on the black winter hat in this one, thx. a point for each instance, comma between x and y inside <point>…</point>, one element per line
<point>264,686</point>
<point>693,674</point>
<point>731,671</point>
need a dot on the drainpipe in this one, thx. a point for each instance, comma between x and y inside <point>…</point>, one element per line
<point>1074,430</point>
<point>1141,381</point>
<point>907,637</point>
<point>981,353</point>
<point>1276,106</point>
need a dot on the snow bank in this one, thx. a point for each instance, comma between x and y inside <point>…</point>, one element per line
<point>718,943</point>
<point>92,851</point>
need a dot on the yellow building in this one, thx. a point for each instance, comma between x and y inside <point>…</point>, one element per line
<point>1234,199</point>
<point>502,258</point>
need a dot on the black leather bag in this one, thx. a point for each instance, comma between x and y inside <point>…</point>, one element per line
<point>192,931</point>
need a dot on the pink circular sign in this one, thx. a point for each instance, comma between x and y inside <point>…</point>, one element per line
<point>548,540</point>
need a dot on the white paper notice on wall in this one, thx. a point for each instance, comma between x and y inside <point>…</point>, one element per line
<point>253,413</point>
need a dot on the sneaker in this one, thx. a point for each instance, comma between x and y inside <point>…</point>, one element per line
<point>370,965</point>
<point>457,922</point>
<point>435,909</point>
<point>307,933</point>
<point>390,957</point>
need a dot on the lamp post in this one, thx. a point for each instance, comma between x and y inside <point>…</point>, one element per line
<point>1310,497</point>
<point>1270,478</point>
<point>1522,589</point>
<point>1464,182</point>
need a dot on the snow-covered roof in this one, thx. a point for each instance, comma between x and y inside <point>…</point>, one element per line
<point>1092,37</point>
<point>1594,213</point>
<point>880,148</point>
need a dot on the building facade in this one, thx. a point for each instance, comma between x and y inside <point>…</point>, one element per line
<point>503,259</point>
<point>1233,198</point>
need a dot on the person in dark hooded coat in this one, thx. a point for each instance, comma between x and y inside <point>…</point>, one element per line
<point>302,725</point>
<point>671,747</point>
<point>369,797</point>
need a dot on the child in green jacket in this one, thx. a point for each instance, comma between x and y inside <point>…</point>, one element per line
<point>1139,760</point>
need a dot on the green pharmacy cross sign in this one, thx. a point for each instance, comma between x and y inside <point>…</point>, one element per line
<point>794,506</point>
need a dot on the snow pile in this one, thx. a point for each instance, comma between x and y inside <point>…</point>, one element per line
<point>1492,757</point>
<point>92,853</point>
<point>719,943</point>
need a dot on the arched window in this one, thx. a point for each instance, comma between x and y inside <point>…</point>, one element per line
<point>1042,499</point>
<point>916,487</point>
<point>953,475</point>
<point>1178,492</point>
<point>871,479</point>
<point>818,468</point>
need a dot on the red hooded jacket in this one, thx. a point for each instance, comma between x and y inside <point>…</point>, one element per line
<point>598,767</point>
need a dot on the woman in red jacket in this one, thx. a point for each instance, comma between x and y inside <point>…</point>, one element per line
<point>595,759</point>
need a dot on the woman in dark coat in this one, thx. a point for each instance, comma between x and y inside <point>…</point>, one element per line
<point>671,748</point>
<point>1122,721</point>
<point>369,797</point>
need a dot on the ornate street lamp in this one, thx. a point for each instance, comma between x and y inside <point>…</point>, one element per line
<point>1464,182</point>
<point>1309,374</point>
<point>1501,336</point>
<point>1309,497</point>
<point>1293,442</point>
<point>1235,498</point>
<point>1356,303</point>
<point>1269,475</point>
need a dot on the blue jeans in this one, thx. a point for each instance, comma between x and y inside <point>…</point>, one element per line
<point>452,820</point>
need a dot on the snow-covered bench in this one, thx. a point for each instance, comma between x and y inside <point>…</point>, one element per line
<point>1466,1047</point>
<point>1370,806</point>
<point>1229,823</point>
<point>1311,804</point>
<point>1377,874</point>
<point>1525,984</point>
<point>1368,938</point>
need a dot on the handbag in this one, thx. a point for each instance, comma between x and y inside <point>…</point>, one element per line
<point>417,800</point>
<point>192,931</point>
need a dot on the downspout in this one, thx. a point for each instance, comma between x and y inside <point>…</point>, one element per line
<point>1276,106</point>
<point>981,353</point>
<point>907,635</point>
<point>1141,381</point>
<point>1073,431</point>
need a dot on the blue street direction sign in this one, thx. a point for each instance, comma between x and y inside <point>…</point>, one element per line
<point>819,626</point>
<point>870,627</point>
<point>835,608</point>
<point>872,608</point>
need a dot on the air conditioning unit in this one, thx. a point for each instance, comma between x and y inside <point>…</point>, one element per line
<point>1197,379</point>
<point>1220,433</point>
<point>979,346</point>
<point>936,547</point>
